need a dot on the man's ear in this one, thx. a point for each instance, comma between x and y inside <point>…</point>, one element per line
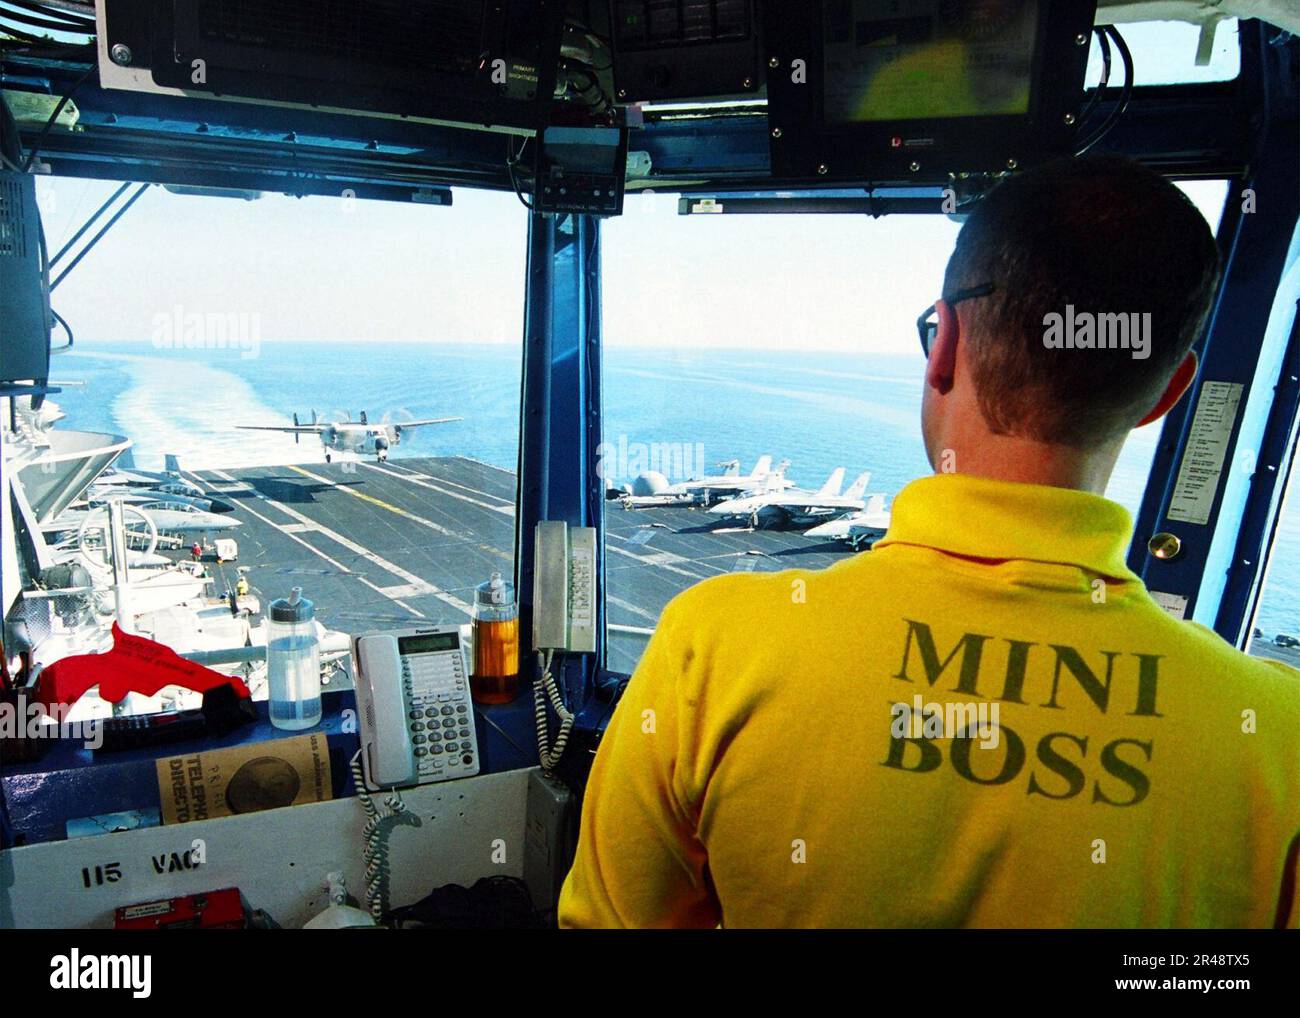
<point>942,363</point>
<point>1174,390</point>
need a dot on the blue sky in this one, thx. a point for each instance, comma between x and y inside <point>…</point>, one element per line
<point>314,269</point>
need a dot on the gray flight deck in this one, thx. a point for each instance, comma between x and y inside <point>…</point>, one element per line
<point>380,545</point>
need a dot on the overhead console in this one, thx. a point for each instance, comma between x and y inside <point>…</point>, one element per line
<point>916,90</point>
<point>685,49</point>
<point>475,63</point>
<point>858,92</point>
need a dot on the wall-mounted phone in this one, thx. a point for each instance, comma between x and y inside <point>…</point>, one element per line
<point>417,718</point>
<point>564,588</point>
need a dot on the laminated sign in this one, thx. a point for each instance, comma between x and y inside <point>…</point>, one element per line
<point>244,779</point>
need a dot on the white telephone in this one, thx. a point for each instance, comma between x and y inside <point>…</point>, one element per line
<point>417,717</point>
<point>564,588</point>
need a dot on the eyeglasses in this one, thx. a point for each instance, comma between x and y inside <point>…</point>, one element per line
<point>928,324</point>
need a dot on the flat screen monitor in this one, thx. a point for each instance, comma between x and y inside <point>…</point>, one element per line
<point>928,59</point>
<point>918,89</point>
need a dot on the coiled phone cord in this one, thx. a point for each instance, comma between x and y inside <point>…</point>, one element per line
<point>374,852</point>
<point>546,687</point>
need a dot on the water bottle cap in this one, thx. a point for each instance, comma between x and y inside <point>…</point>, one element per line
<point>294,608</point>
<point>496,591</point>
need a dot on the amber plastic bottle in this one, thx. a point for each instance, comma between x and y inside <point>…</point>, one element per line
<point>495,678</point>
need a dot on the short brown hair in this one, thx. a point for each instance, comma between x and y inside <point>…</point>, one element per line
<point>1104,235</point>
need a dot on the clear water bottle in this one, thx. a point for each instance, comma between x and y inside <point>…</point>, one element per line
<point>293,663</point>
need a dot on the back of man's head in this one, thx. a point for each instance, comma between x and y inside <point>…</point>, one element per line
<point>1101,237</point>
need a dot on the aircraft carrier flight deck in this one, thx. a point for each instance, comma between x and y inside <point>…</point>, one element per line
<point>407,540</point>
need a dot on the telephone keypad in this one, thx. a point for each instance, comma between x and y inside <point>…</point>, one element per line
<point>437,691</point>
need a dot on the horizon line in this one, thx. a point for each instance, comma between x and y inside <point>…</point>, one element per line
<point>683,345</point>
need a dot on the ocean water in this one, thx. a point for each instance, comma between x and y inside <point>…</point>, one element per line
<point>821,411</point>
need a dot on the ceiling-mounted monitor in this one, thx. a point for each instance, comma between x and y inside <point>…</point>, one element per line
<point>475,63</point>
<point>916,90</point>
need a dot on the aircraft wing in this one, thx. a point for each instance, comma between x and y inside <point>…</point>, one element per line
<point>420,424</point>
<point>293,429</point>
<point>787,510</point>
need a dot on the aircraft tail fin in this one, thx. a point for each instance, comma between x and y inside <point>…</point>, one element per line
<point>172,464</point>
<point>763,467</point>
<point>731,468</point>
<point>833,483</point>
<point>858,487</point>
<point>364,419</point>
<point>781,468</point>
<point>875,504</point>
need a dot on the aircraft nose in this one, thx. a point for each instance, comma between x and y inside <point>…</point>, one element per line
<point>381,442</point>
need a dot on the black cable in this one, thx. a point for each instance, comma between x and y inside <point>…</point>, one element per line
<point>94,218</point>
<point>49,124</point>
<point>86,8</point>
<point>36,24</point>
<point>1126,92</point>
<point>66,328</point>
<point>591,36</point>
<point>30,45</point>
<point>519,193</point>
<point>593,84</point>
<point>1125,96</point>
<point>32,21</point>
<point>100,235</point>
<point>1104,43</point>
<point>512,159</point>
<point>31,40</point>
<point>55,14</point>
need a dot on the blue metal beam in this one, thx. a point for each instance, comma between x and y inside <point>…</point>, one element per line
<point>1241,348</point>
<point>1264,504</point>
<point>561,410</point>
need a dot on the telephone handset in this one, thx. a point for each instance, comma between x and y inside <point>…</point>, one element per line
<point>564,588</point>
<point>564,619</point>
<point>417,718</point>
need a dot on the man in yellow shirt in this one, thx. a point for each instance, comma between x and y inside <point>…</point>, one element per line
<point>986,720</point>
